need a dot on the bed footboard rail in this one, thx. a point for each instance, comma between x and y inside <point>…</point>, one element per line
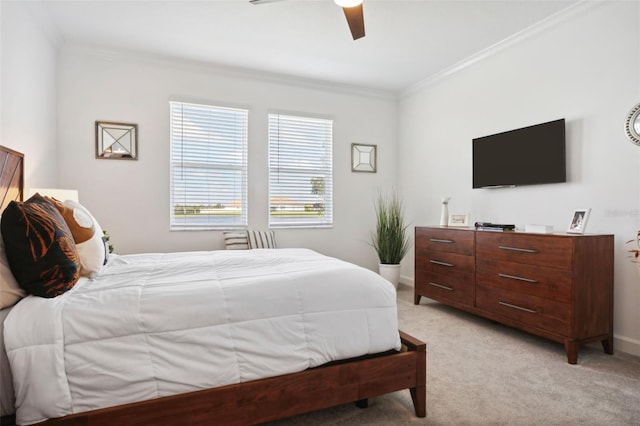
<point>278,397</point>
<point>419,391</point>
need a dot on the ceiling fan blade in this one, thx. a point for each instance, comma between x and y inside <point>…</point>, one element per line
<point>355,19</point>
<point>262,1</point>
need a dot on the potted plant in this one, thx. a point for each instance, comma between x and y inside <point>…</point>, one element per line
<point>390,239</point>
<point>635,252</point>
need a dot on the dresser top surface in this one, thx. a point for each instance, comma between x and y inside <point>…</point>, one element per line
<point>518,232</point>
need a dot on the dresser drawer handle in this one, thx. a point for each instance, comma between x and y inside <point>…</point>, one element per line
<point>517,307</point>
<point>518,249</point>
<point>438,240</point>
<point>437,262</point>
<point>441,286</point>
<point>515,277</point>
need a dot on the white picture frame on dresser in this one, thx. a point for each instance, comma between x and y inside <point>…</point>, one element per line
<point>579,220</point>
<point>461,220</point>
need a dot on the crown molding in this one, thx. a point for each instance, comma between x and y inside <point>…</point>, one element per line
<point>224,70</point>
<point>40,13</point>
<point>564,15</point>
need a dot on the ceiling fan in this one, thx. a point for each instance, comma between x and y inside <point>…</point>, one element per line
<point>352,11</point>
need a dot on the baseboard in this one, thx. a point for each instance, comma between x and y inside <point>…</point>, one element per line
<point>408,281</point>
<point>626,344</point>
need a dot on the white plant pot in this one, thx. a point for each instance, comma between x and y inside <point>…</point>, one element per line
<point>390,272</point>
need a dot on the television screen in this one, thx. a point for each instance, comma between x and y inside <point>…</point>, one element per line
<point>527,156</point>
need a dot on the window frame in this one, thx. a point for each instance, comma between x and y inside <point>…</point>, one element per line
<point>179,162</point>
<point>326,173</point>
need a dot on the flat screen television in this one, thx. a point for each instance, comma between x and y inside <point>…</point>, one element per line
<point>528,156</point>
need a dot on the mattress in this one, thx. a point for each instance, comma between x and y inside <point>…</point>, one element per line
<point>153,325</point>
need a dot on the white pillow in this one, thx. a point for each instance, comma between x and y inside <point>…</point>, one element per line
<point>87,234</point>
<point>262,239</point>
<point>10,291</point>
<point>236,240</point>
<point>93,253</point>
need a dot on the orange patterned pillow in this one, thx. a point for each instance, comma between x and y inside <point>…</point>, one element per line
<point>87,235</point>
<point>78,220</point>
<point>40,248</point>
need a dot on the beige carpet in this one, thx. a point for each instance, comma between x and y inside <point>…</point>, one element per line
<point>483,373</point>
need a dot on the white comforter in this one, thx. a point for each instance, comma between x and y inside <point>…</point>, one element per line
<point>159,324</point>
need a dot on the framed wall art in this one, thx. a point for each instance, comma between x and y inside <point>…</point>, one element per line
<point>363,158</point>
<point>116,141</point>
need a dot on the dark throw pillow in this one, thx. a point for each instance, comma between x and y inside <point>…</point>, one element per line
<point>40,248</point>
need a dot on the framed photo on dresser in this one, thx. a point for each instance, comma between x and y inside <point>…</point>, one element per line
<point>459,220</point>
<point>579,221</point>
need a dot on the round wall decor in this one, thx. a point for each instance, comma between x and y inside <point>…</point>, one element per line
<point>632,125</point>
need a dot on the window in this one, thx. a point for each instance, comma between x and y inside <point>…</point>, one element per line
<point>300,171</point>
<point>208,167</point>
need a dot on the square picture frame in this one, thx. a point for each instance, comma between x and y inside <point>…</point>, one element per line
<point>460,220</point>
<point>579,220</point>
<point>116,141</point>
<point>364,158</point>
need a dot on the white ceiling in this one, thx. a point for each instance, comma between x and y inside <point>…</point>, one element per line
<point>406,41</point>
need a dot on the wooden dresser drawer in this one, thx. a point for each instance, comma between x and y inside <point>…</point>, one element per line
<point>444,262</point>
<point>446,240</point>
<point>549,251</point>
<point>525,309</point>
<point>554,284</point>
<point>459,287</point>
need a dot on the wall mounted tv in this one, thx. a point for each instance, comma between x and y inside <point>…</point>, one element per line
<point>527,156</point>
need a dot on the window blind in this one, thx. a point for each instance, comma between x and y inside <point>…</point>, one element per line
<point>300,171</point>
<point>208,167</point>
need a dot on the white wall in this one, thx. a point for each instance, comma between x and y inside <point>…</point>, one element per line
<point>131,198</point>
<point>28,90</point>
<point>583,67</point>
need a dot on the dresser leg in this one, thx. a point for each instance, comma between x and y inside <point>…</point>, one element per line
<point>416,299</point>
<point>362,403</point>
<point>607,345</point>
<point>571,348</point>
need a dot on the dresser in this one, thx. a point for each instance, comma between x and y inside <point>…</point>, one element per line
<point>557,286</point>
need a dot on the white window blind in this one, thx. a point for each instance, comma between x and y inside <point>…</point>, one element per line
<point>300,171</point>
<point>208,167</point>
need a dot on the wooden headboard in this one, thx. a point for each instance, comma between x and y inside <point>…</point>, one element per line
<point>11,176</point>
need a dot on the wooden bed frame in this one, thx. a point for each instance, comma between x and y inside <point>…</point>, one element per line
<point>257,401</point>
<point>11,176</point>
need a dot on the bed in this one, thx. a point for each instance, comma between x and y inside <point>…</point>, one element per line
<point>236,337</point>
